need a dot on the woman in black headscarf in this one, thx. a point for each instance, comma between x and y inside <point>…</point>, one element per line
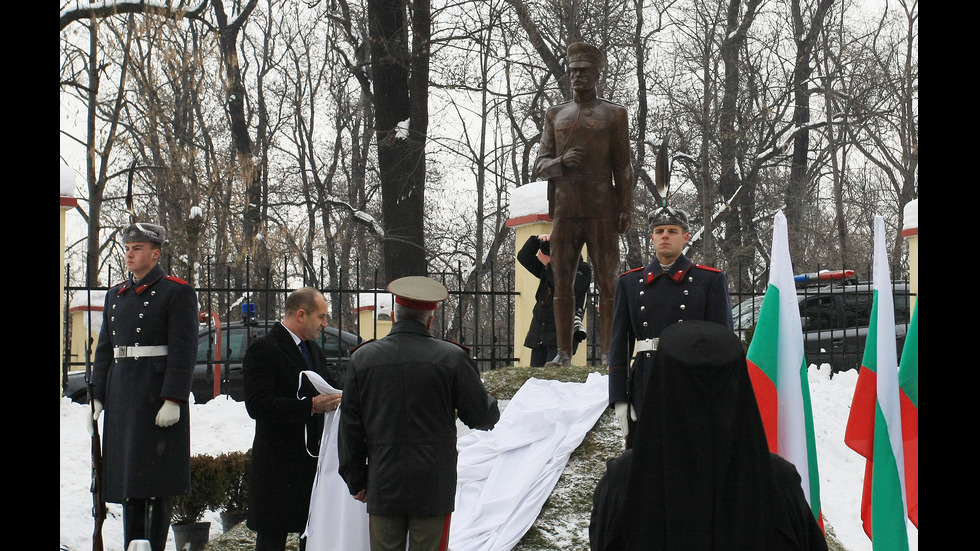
<point>700,475</point>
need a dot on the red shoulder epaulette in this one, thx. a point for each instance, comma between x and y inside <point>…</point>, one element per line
<point>630,271</point>
<point>457,344</point>
<point>177,279</point>
<point>362,344</point>
<point>709,268</point>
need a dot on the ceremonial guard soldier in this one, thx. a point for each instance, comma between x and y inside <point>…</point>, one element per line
<point>141,377</point>
<point>670,290</point>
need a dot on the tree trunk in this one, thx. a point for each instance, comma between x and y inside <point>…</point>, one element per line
<point>400,95</point>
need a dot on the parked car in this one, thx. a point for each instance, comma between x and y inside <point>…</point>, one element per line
<point>835,320</point>
<point>235,339</point>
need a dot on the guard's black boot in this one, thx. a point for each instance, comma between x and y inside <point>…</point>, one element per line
<point>158,511</point>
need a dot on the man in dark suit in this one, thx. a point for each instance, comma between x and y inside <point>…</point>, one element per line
<point>288,420</point>
<point>142,378</point>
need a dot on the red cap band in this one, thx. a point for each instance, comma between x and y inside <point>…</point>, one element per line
<point>416,304</point>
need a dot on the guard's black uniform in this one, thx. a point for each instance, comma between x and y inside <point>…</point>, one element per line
<point>648,300</point>
<point>143,460</point>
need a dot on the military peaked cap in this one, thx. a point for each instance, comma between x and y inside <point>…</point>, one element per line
<point>419,292</point>
<point>581,54</point>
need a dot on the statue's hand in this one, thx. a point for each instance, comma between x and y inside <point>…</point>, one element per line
<point>572,158</point>
<point>623,222</point>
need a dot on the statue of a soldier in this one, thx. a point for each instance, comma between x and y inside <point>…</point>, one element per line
<point>585,156</point>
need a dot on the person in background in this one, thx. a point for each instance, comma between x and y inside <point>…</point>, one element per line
<point>670,290</point>
<point>397,438</point>
<point>700,476</point>
<point>141,378</point>
<point>535,256</point>
<point>288,419</point>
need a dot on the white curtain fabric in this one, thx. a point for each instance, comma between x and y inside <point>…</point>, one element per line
<point>337,521</point>
<point>504,476</point>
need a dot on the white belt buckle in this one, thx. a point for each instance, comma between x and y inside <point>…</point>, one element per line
<point>647,345</point>
<point>137,351</point>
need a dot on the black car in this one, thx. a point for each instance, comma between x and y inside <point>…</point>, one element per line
<point>835,321</point>
<point>225,349</point>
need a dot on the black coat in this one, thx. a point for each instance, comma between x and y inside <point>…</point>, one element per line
<point>143,460</point>
<point>792,524</point>
<point>287,433</point>
<point>397,433</point>
<point>542,329</point>
<point>648,300</point>
<point>700,476</point>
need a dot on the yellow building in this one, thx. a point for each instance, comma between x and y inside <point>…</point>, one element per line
<point>374,314</point>
<point>910,230</point>
<point>68,202</point>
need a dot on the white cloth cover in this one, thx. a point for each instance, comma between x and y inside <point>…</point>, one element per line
<point>504,476</point>
<point>337,521</point>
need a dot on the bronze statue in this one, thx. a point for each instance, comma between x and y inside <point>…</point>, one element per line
<point>585,156</point>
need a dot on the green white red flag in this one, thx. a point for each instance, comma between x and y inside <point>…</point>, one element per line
<point>778,369</point>
<point>874,426</point>
<point>908,384</point>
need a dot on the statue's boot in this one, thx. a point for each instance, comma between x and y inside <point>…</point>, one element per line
<point>564,314</point>
<point>606,306</point>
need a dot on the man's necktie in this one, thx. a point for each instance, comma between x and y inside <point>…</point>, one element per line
<point>306,354</point>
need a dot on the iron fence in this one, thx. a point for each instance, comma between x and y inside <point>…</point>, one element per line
<point>834,315</point>
<point>479,319</point>
<point>482,319</point>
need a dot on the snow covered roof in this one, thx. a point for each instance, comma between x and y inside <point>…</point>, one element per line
<point>80,300</point>
<point>529,203</point>
<point>911,217</point>
<point>67,181</point>
<point>367,302</point>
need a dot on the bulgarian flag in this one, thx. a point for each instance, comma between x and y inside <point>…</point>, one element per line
<point>874,426</point>
<point>778,370</point>
<point>908,384</point>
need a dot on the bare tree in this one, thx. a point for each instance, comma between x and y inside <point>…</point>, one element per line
<point>805,38</point>
<point>399,38</point>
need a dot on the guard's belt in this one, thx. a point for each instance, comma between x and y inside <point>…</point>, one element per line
<point>647,345</point>
<point>137,351</point>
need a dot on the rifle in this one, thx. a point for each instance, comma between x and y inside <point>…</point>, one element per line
<point>98,503</point>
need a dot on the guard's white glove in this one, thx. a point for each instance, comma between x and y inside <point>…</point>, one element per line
<point>620,408</point>
<point>91,421</point>
<point>169,414</point>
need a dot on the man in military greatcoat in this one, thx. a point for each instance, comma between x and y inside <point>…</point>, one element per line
<point>585,156</point>
<point>670,290</point>
<point>141,377</point>
<point>397,438</point>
